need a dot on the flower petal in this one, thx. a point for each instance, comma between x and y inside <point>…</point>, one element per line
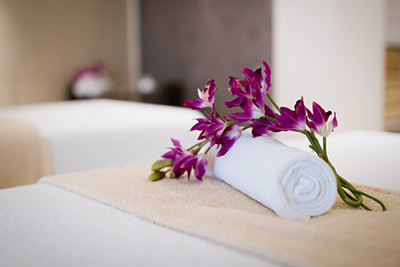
<point>267,72</point>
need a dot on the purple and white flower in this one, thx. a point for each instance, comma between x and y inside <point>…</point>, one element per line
<point>221,134</point>
<point>228,139</point>
<point>185,161</point>
<point>251,99</point>
<point>211,128</point>
<point>206,97</point>
<point>291,120</point>
<point>260,127</point>
<point>318,120</point>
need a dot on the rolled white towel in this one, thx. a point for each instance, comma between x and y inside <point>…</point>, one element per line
<point>293,183</point>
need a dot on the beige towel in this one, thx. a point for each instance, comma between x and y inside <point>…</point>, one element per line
<point>215,211</point>
<point>24,154</point>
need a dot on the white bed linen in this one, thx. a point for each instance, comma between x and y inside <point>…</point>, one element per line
<point>42,225</point>
<point>90,134</point>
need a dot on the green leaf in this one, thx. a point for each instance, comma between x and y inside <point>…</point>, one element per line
<point>162,163</point>
<point>155,176</point>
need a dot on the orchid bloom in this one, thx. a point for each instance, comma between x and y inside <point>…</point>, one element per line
<point>185,161</point>
<point>220,133</point>
<point>260,127</point>
<point>251,102</point>
<point>251,99</point>
<point>228,138</point>
<point>211,128</point>
<point>200,167</point>
<point>318,120</point>
<point>256,80</point>
<point>291,120</point>
<point>206,97</point>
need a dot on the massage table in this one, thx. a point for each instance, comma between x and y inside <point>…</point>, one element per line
<point>62,137</point>
<point>46,225</point>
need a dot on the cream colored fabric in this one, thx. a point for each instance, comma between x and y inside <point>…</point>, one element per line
<point>24,154</point>
<point>215,211</point>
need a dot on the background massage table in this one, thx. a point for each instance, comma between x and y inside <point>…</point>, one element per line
<point>83,135</point>
<point>43,225</point>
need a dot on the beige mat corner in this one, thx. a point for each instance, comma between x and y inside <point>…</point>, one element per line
<point>215,211</point>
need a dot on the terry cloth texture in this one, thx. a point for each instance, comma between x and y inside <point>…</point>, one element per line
<point>24,154</point>
<point>216,211</point>
<point>293,183</point>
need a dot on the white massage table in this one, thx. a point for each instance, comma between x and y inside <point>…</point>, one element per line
<point>90,134</point>
<point>42,225</point>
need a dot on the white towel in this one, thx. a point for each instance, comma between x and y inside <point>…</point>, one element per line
<point>293,183</point>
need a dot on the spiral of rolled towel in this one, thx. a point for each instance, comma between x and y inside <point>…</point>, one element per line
<point>293,183</point>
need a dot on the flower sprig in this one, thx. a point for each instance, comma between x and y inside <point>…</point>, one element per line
<point>223,132</point>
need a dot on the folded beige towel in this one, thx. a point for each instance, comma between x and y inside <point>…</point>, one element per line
<point>24,154</point>
<point>214,210</point>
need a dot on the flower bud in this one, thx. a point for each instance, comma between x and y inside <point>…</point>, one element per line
<point>155,176</point>
<point>162,163</point>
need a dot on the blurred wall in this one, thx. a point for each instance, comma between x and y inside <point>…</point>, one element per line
<point>393,23</point>
<point>332,52</point>
<point>192,41</point>
<point>43,41</point>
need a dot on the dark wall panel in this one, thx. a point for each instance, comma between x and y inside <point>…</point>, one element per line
<point>192,41</point>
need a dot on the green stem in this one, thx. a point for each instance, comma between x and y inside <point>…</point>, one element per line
<point>219,116</point>
<point>274,103</point>
<point>199,143</point>
<point>246,127</point>
<point>356,200</point>
<point>353,189</point>
<point>196,151</point>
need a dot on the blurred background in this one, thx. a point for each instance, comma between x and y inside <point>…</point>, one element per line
<point>344,54</point>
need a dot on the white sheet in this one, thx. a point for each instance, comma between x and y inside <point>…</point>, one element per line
<point>42,225</point>
<point>92,134</point>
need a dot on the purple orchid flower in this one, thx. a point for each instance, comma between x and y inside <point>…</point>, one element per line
<point>228,138</point>
<point>291,120</point>
<point>201,126</point>
<point>256,80</point>
<point>200,167</point>
<point>251,99</point>
<point>318,120</point>
<point>252,104</point>
<point>206,97</point>
<point>185,161</point>
<point>220,133</point>
<point>179,156</point>
<point>175,152</point>
<point>267,72</point>
<point>211,128</point>
<point>252,110</point>
<point>262,126</point>
<point>237,91</point>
